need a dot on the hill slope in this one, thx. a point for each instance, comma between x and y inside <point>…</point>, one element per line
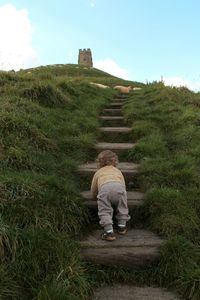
<point>48,126</point>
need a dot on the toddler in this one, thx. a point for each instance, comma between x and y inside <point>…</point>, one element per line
<point>108,186</point>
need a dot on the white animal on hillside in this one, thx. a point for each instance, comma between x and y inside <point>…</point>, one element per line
<point>99,85</point>
<point>123,89</point>
<point>137,88</point>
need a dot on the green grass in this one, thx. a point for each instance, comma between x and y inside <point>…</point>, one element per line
<point>165,124</point>
<point>48,126</point>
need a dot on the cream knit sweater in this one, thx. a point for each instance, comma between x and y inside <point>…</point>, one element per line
<point>104,175</point>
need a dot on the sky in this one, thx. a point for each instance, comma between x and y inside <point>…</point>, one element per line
<point>139,40</point>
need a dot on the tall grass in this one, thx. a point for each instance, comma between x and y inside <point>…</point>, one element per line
<point>165,124</point>
<point>48,124</point>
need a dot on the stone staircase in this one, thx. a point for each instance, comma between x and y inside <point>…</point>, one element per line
<point>137,247</point>
<point>127,292</point>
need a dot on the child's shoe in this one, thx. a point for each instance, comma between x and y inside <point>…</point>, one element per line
<point>108,236</point>
<point>122,230</point>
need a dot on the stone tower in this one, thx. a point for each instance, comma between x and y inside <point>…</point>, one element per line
<point>85,57</point>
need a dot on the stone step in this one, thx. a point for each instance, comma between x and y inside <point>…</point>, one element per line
<point>117,147</point>
<point>112,118</point>
<point>121,100</point>
<point>122,96</point>
<point>116,104</point>
<point>113,111</point>
<point>135,199</point>
<point>115,129</point>
<point>128,169</point>
<point>137,247</point>
<point>131,292</point>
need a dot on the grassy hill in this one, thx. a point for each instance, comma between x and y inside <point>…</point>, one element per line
<point>166,125</point>
<point>48,125</point>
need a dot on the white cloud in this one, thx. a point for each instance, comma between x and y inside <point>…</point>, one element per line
<point>16,51</point>
<point>109,66</point>
<point>179,81</point>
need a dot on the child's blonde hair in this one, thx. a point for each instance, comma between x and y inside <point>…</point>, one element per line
<point>107,158</point>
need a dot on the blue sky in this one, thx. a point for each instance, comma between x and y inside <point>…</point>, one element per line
<point>139,40</point>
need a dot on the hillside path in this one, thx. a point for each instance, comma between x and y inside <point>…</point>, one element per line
<point>137,247</point>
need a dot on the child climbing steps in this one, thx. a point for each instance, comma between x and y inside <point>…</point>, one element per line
<point>108,188</point>
<point>137,246</point>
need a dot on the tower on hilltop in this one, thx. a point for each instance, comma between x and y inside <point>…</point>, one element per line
<point>85,57</point>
